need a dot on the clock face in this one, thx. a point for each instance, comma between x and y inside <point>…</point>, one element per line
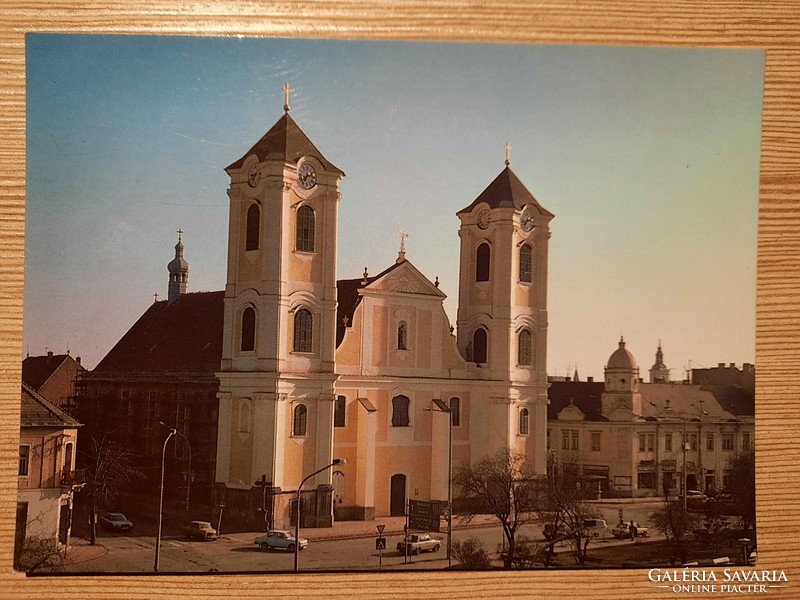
<point>483,219</point>
<point>307,176</point>
<point>526,222</point>
<point>254,175</point>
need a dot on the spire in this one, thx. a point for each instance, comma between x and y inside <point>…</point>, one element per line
<point>178,272</point>
<point>401,256</point>
<point>576,377</point>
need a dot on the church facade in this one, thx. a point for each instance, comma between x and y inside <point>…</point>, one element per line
<point>315,369</point>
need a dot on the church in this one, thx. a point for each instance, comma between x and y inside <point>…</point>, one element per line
<point>315,369</point>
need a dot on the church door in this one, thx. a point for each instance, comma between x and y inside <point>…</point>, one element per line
<point>398,500</point>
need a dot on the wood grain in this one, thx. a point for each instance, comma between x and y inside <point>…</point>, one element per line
<point>773,26</point>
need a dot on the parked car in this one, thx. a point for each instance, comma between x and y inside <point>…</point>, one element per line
<point>418,542</point>
<point>278,538</point>
<point>200,530</point>
<point>622,530</point>
<point>595,527</point>
<point>116,522</point>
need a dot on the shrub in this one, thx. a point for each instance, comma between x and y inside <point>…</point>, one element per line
<point>470,554</point>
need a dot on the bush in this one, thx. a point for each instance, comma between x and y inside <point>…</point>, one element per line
<point>37,553</point>
<point>470,554</point>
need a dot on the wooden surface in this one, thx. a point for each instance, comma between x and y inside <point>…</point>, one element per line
<point>773,25</point>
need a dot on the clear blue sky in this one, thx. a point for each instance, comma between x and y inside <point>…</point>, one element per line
<point>648,157</point>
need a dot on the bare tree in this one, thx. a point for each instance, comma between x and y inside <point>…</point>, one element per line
<point>36,553</point>
<point>504,487</point>
<point>108,468</point>
<point>676,524</point>
<point>742,488</point>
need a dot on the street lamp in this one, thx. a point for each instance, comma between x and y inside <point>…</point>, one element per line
<point>441,407</point>
<point>336,461</point>
<point>161,497</point>
<point>172,432</point>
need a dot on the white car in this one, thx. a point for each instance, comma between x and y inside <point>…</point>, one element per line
<point>116,522</point>
<point>279,538</point>
<point>622,530</point>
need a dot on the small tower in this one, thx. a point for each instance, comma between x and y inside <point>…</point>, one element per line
<point>178,272</point>
<point>621,390</point>
<point>659,373</point>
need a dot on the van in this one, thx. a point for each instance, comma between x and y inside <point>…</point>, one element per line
<point>595,527</point>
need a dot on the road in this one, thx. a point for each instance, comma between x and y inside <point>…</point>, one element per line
<point>236,552</point>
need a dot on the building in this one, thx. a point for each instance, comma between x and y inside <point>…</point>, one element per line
<point>53,377</point>
<point>314,368</point>
<point>627,437</point>
<point>45,481</point>
<point>160,375</point>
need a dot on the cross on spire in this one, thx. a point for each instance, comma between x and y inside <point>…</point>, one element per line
<point>180,233</point>
<point>286,91</point>
<point>403,236</point>
<point>508,153</point>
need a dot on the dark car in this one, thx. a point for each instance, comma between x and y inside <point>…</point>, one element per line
<point>116,522</point>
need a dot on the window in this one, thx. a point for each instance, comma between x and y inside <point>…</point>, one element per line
<point>304,236</point>
<point>651,442</point>
<point>479,344</point>
<point>24,460</point>
<point>303,326</point>
<point>253,226</point>
<point>339,411</point>
<point>693,441</point>
<point>400,411</point>
<point>642,442</point>
<point>68,452</point>
<point>595,441</point>
<point>575,440</point>
<point>709,441</point>
<point>524,422</point>
<point>455,411</point>
<point>525,263</point>
<point>248,330</point>
<point>482,257</point>
<point>668,442</point>
<point>745,441</point>
<point>300,425</point>
<point>548,439</point>
<point>727,441</point>
<point>646,480</point>
<point>524,350</point>
<point>565,440</point>
<point>402,336</point>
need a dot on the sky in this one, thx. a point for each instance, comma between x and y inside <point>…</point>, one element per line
<point>648,157</point>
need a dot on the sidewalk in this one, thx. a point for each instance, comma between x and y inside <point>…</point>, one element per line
<point>80,551</point>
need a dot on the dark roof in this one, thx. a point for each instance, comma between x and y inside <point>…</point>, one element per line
<point>585,395</point>
<point>185,336</point>
<point>507,191</point>
<point>285,141</point>
<point>35,411</point>
<point>659,400</point>
<point>36,370</point>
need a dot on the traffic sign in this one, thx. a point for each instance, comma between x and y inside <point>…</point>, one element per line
<point>423,522</point>
<point>424,508</point>
<point>380,543</point>
<point>380,529</point>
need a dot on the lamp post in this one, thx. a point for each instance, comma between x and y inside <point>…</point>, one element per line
<point>161,497</point>
<point>441,407</point>
<point>189,471</point>
<point>744,542</point>
<point>336,461</point>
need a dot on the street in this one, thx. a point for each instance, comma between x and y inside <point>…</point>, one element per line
<point>235,552</point>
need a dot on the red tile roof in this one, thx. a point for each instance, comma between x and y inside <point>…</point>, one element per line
<point>36,370</point>
<point>35,411</point>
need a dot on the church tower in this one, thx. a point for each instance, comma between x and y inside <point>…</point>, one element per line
<point>502,308</point>
<point>178,273</point>
<point>277,373</point>
<point>659,373</point>
<point>621,398</point>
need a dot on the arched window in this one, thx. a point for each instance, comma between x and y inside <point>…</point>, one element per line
<point>303,327</point>
<point>300,423</point>
<point>253,227</point>
<point>482,257</point>
<point>248,330</point>
<point>525,263</point>
<point>455,411</point>
<point>402,336</point>
<point>479,345</point>
<point>304,237</point>
<point>524,422</point>
<point>400,411</point>
<point>524,349</point>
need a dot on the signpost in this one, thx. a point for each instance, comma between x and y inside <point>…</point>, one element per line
<point>380,545</point>
<point>424,515</point>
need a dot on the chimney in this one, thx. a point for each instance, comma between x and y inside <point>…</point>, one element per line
<point>78,359</point>
<point>590,379</point>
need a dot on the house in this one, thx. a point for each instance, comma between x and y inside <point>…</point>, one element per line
<point>46,469</point>
<point>53,377</point>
